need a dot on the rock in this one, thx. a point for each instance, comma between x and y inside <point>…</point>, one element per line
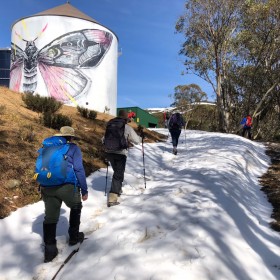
<point>12,184</point>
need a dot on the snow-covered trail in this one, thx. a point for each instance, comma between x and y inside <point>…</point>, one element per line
<point>202,216</point>
<point>184,214</point>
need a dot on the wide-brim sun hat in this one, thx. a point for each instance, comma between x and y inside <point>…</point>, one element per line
<point>66,131</point>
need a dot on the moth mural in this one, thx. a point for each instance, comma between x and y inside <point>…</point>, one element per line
<point>60,63</point>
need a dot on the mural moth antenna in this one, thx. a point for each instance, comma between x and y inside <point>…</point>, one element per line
<point>41,32</point>
<point>25,28</point>
<point>19,36</point>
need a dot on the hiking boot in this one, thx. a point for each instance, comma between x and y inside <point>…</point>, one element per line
<point>49,232</point>
<point>75,236</point>
<point>50,252</point>
<point>110,204</point>
<point>175,151</point>
<point>73,240</point>
<point>112,199</point>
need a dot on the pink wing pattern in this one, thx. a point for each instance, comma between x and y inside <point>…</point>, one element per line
<point>17,57</point>
<point>64,84</point>
<point>15,78</point>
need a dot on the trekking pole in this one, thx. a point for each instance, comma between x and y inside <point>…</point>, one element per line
<point>185,136</point>
<point>185,133</point>
<point>106,180</point>
<point>143,161</point>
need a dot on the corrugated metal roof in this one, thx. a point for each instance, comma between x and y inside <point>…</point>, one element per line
<point>66,10</point>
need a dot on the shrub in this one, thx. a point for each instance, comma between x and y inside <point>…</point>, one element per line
<point>92,114</point>
<point>41,104</point>
<point>86,113</point>
<point>55,121</point>
<point>83,111</point>
<point>26,133</point>
<point>277,137</point>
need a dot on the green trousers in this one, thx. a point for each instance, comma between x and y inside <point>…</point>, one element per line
<point>53,198</point>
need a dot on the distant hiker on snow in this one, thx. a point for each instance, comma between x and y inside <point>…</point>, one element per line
<point>117,136</point>
<point>175,124</point>
<point>247,126</point>
<point>60,173</point>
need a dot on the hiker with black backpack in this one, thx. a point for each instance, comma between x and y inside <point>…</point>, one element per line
<point>117,137</point>
<point>175,124</point>
<point>61,175</point>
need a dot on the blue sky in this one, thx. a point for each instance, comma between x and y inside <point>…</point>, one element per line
<point>149,68</point>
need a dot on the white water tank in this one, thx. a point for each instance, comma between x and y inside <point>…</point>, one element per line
<point>65,54</point>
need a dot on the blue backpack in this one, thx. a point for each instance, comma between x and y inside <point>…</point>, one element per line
<point>51,164</point>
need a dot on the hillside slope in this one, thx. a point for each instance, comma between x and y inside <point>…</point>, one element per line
<point>21,135</point>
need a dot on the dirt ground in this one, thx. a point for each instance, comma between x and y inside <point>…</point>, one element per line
<point>271,182</point>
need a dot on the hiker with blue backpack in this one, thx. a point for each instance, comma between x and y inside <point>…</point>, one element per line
<point>59,171</point>
<point>175,124</point>
<point>116,140</point>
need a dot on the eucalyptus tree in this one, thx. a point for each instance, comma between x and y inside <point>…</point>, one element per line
<point>187,98</point>
<point>259,48</point>
<point>209,28</point>
<point>186,95</point>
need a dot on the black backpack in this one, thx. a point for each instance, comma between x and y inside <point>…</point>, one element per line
<point>114,139</point>
<point>176,121</point>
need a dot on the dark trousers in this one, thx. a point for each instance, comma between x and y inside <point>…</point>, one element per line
<point>175,134</point>
<point>118,163</point>
<point>248,131</point>
<point>53,198</point>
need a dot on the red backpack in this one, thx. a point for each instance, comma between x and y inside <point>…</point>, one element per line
<point>248,121</point>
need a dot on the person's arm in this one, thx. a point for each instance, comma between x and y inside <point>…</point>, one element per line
<point>131,135</point>
<point>80,171</point>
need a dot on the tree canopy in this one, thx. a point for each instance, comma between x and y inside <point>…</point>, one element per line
<point>234,45</point>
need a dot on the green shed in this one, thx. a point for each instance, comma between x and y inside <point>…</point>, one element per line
<point>140,116</point>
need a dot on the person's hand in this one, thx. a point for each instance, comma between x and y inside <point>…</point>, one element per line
<point>140,129</point>
<point>84,197</point>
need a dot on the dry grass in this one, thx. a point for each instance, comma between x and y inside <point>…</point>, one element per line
<point>21,135</point>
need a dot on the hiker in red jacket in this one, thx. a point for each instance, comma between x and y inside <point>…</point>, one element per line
<point>247,126</point>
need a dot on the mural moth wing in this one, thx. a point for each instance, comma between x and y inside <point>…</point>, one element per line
<point>17,58</point>
<point>84,48</point>
<point>60,60</point>
<point>64,84</point>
